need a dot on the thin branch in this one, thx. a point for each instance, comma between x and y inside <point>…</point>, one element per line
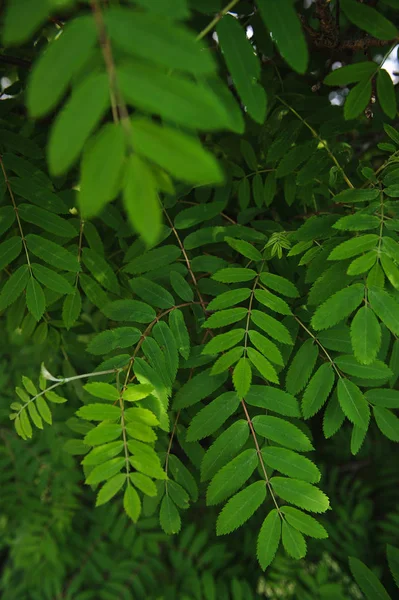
<point>16,213</point>
<point>194,280</point>
<point>119,108</point>
<point>216,19</point>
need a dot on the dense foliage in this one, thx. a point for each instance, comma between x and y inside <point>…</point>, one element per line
<point>199,300</point>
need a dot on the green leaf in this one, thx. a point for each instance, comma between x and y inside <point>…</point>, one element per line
<point>385,307</point>
<point>165,338</point>
<point>393,561</point>
<point>279,284</point>
<point>243,65</point>
<point>353,403</point>
<point>179,154</point>
<point>183,101</point>
<point>300,493</point>
<point>51,279</point>
<point>386,93</point>
<point>351,73</point>
<point>181,287</point>
<point>129,310</point>
<point>52,253</point>
<point>180,333</point>
<point>106,341</point>
<point>194,215</point>
<point>271,326</point>
<point>105,432</point>
<point>212,416</point>
<point>76,121</point>
<point>387,422</point>
<point>282,432</point>
<point>365,335</point>
<point>35,299</point>
<point>318,390</point>
<point>333,417</point>
<point>9,250</point>
<point>291,463</point>
<point>132,503</point>
<point>358,99</point>
<point>105,470</point>
<point>375,370</point>
<point>270,188</point>
<point>178,494</point>
<point>273,399</point>
<point>7,217</point>
<point>266,347</point>
<point>273,302</point>
<point>102,453</point>
<point>100,270</point>
<point>357,222</point>
<point>93,291</point>
<point>391,131</point>
<point>25,424</point>
<point>268,539</point>
<point>240,508</point>
<point>110,489</point>
<point>225,317</point>
<point>105,391</point>
<point>153,259</point>
<point>301,367</point>
<point>338,306</point>
<point>34,415</point>
<point>303,522</point>
<point>230,298</point>
<point>183,477</point>
<point>257,190</point>
<point>355,246</point>
<point>46,220</point>
<point>383,397</point>
<point>141,415</point>
<point>228,359</point>
<point>154,38</point>
<point>197,388</point>
<point>99,412</point>
<point>283,23</point>
<point>141,200</point>
<point>293,541</point>
<point>261,363</point>
<point>224,448</point>
<point>242,376</point>
<point>231,477</point>
<point>71,309</point>
<point>146,461</point>
<point>56,67</point>
<point>169,517</point>
<point>362,264</point>
<point>244,193</point>
<point>133,393</point>
<point>144,483</point>
<point>352,195</point>
<point>357,439</point>
<point>234,275</point>
<point>390,270</point>
<point>367,581</point>
<point>369,19</point>
<point>151,292</point>
<point>244,248</point>
<point>22,18</point>
<point>100,186</point>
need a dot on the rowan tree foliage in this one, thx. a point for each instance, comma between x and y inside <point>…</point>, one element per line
<point>199,300</point>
